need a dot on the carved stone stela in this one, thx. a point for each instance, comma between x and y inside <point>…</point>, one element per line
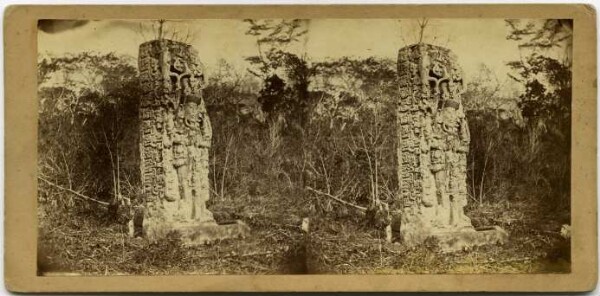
<point>175,138</point>
<point>432,151</point>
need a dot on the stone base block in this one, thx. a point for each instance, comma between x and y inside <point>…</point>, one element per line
<point>208,232</point>
<point>464,239</point>
<point>415,229</point>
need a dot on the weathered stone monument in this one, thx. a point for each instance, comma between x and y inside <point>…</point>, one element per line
<point>433,142</point>
<point>175,138</point>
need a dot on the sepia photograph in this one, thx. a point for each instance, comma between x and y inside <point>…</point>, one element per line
<point>280,146</point>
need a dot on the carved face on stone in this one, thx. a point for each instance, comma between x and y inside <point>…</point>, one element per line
<point>192,119</point>
<point>450,120</point>
<point>456,74</point>
<point>437,69</point>
<point>197,75</point>
<point>178,64</point>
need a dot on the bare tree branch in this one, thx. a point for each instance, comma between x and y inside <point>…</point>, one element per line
<point>74,192</point>
<point>363,209</point>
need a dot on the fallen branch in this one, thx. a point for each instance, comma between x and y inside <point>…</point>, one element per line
<point>74,192</point>
<point>364,209</point>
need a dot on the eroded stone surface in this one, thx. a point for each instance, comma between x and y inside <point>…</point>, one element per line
<point>433,142</point>
<point>466,238</point>
<point>205,233</point>
<point>175,138</point>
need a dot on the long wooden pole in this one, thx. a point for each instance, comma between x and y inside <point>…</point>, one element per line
<point>364,209</point>
<point>75,192</point>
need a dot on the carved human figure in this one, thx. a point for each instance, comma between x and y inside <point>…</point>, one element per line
<point>433,142</point>
<point>190,136</point>
<point>452,129</point>
<point>175,139</point>
<point>443,144</point>
<point>437,165</point>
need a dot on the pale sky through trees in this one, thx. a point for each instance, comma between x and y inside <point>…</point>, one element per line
<point>474,41</point>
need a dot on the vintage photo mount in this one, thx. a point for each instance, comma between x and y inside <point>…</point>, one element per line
<point>21,163</point>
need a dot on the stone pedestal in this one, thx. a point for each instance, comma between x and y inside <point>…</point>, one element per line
<point>175,138</point>
<point>433,142</point>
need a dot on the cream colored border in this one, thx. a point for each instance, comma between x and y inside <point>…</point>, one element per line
<point>21,135</point>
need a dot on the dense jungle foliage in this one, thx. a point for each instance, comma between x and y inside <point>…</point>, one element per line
<point>289,124</point>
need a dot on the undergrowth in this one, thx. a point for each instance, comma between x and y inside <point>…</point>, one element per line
<point>337,243</point>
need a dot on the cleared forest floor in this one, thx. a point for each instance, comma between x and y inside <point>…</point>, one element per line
<point>87,243</point>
